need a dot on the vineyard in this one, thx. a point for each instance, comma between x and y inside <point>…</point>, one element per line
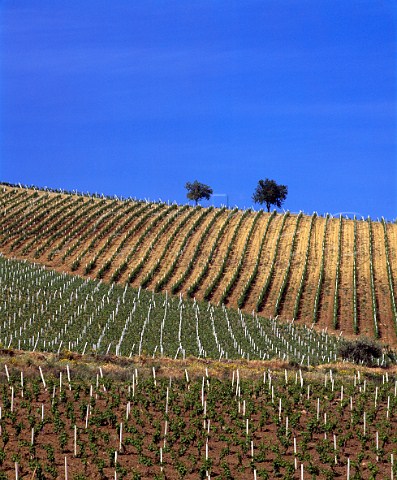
<point>142,340</point>
<point>59,419</point>
<point>335,273</point>
<point>42,310</point>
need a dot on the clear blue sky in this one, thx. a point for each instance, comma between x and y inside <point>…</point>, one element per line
<point>136,97</point>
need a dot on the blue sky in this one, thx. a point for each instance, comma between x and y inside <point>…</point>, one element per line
<point>135,98</point>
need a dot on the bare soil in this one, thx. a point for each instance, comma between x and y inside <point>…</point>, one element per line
<point>236,408</point>
<point>29,226</point>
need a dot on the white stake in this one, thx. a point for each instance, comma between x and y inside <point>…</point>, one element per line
<point>86,417</point>
<point>42,378</point>
<point>165,431</point>
<point>336,458</point>
<point>295,451</point>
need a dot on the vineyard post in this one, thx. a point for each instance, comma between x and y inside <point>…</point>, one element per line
<point>121,437</point>
<point>336,457</point>
<point>364,423</point>
<point>68,373</point>
<point>66,468</point>
<point>42,378</point>
<point>295,455</point>
<point>86,416</point>
<point>165,431</point>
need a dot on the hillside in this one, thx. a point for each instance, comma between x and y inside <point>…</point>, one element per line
<point>334,272</point>
<point>43,310</point>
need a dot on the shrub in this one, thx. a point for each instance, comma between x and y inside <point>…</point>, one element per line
<point>362,351</point>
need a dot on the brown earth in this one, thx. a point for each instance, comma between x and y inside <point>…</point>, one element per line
<point>297,265</point>
<point>345,293</point>
<point>313,272</point>
<point>364,297</point>
<point>382,290</point>
<point>119,405</point>
<point>24,222</point>
<point>249,260</point>
<point>234,257</point>
<point>265,262</point>
<point>282,259</point>
<point>326,307</point>
<point>186,254</point>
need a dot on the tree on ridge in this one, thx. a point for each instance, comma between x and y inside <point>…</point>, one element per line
<point>270,193</point>
<point>197,191</point>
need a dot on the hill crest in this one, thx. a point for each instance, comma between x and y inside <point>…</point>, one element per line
<point>335,272</point>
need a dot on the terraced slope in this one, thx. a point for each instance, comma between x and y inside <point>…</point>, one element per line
<point>333,272</point>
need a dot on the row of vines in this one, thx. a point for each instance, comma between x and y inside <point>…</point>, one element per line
<point>59,423</point>
<point>241,259</point>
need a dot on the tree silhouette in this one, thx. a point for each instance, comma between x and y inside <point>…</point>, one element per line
<point>196,191</point>
<point>270,193</point>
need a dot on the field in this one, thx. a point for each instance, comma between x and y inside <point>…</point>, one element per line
<point>151,341</point>
<point>63,417</point>
<point>43,310</point>
<point>335,273</point>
